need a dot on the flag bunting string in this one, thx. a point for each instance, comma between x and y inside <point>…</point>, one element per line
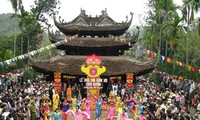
<point>156,55</point>
<point>35,52</point>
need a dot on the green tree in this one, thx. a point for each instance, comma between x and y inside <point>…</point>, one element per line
<point>44,9</point>
<point>189,9</point>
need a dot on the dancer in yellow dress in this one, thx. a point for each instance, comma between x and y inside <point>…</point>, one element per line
<point>73,103</point>
<point>118,100</point>
<point>56,100</point>
<point>120,107</point>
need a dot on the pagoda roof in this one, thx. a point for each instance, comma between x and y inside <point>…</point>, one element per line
<point>91,42</point>
<point>101,25</point>
<point>71,65</point>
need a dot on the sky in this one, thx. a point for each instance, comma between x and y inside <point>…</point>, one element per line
<point>116,9</point>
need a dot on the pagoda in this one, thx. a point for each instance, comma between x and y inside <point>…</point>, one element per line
<point>95,36</point>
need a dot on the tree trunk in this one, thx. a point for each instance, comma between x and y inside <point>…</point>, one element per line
<point>22,44</point>
<point>15,42</point>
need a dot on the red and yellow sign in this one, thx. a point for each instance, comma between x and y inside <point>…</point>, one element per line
<point>57,81</point>
<point>93,70</point>
<point>129,80</point>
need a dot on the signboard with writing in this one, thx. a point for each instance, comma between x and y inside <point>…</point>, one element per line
<point>93,70</point>
<point>57,81</point>
<point>129,80</point>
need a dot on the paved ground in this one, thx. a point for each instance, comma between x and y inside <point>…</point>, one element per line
<point>103,116</point>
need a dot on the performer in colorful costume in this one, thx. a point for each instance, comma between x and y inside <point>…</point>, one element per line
<point>98,108</point>
<point>123,116</point>
<point>73,103</point>
<point>68,94</point>
<point>57,115</point>
<point>65,109</point>
<point>46,114</point>
<point>56,100</point>
<point>111,112</point>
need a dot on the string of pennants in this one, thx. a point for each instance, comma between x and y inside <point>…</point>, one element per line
<point>155,55</point>
<point>140,48</point>
<point>35,52</point>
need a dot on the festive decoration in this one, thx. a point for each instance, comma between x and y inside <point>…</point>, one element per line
<point>57,81</point>
<point>34,52</point>
<point>93,70</point>
<point>129,80</point>
<point>155,55</point>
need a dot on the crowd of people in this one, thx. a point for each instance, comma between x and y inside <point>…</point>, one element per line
<point>173,99</point>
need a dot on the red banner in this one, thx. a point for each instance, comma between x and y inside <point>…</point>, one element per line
<point>129,80</point>
<point>57,81</point>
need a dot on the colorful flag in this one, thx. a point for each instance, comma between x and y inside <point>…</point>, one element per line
<point>1,63</point>
<point>189,68</point>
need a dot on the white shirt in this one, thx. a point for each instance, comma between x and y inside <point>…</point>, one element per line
<point>192,87</point>
<point>115,88</point>
<point>198,106</point>
<point>123,91</point>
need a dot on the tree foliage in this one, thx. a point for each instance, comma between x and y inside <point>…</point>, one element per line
<point>44,9</point>
<point>165,25</point>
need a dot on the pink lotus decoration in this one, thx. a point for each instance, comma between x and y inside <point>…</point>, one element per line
<point>93,60</point>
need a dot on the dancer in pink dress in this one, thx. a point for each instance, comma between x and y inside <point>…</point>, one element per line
<point>111,112</point>
<point>87,108</point>
<point>123,116</point>
<point>78,113</point>
<point>88,101</point>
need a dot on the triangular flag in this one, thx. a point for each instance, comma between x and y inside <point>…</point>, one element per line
<point>148,52</point>
<point>163,58</point>
<point>193,69</point>
<point>133,45</point>
<point>18,57</point>
<point>129,44</point>
<point>2,64</point>
<point>152,54</point>
<point>189,68</point>
<point>125,42</point>
<point>26,55</point>
<point>36,52</point>
<point>117,39</point>
<point>177,62</point>
<point>160,56</point>
<point>138,47</point>
<point>143,49</point>
<point>51,46</point>
<point>8,62</point>
<point>30,53</point>
<point>56,44</point>
<point>183,65</point>
<point>174,62</point>
<point>23,56</point>
<point>169,60</point>
<point>13,60</point>
<point>155,54</point>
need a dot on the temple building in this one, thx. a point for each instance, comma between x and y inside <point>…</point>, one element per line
<point>95,36</point>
